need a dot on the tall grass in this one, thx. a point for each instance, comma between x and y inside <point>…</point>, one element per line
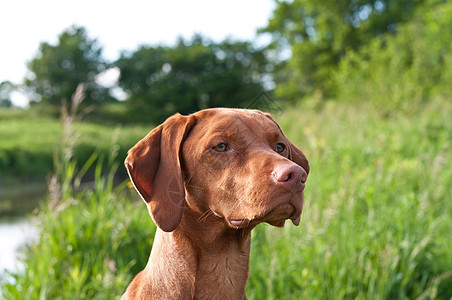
<point>91,238</point>
<point>377,219</point>
<point>376,222</point>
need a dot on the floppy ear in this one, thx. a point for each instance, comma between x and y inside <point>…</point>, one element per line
<point>295,154</point>
<point>154,166</point>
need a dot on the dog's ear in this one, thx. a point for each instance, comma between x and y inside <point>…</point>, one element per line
<point>154,166</point>
<point>295,154</point>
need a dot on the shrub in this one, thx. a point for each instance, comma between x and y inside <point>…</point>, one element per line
<point>406,69</point>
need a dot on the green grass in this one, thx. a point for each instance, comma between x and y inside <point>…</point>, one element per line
<point>27,143</point>
<point>29,138</point>
<point>376,222</point>
<point>90,245</point>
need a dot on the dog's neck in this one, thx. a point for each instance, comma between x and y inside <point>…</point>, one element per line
<point>213,264</point>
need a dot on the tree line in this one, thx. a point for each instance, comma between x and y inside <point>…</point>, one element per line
<point>317,48</point>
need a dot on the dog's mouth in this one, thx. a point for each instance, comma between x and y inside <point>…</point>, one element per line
<point>238,223</point>
<point>276,217</point>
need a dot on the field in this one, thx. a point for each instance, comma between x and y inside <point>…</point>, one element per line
<point>30,137</point>
<point>28,140</point>
<point>376,222</point>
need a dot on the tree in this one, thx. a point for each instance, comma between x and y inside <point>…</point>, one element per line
<point>58,70</point>
<point>6,89</point>
<point>420,60</point>
<point>190,76</point>
<point>318,33</point>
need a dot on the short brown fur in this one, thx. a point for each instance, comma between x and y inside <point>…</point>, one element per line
<point>206,199</point>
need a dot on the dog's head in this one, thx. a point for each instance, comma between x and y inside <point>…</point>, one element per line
<point>235,164</point>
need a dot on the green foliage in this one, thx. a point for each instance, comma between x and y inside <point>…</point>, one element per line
<point>89,247</point>
<point>75,257</point>
<point>377,211</point>
<point>29,137</point>
<point>6,88</point>
<point>190,76</point>
<point>26,143</point>
<point>403,70</point>
<point>375,225</point>
<point>58,70</point>
<point>376,222</point>
<point>319,33</point>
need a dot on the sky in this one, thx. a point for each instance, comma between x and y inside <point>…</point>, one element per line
<point>119,25</point>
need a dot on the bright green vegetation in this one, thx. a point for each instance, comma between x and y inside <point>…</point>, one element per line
<point>29,138</point>
<point>90,244</point>
<point>376,222</point>
<point>390,50</point>
<point>27,143</point>
<point>405,69</point>
<point>372,111</point>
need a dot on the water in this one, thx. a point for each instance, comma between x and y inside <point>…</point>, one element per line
<point>14,233</point>
<point>16,202</point>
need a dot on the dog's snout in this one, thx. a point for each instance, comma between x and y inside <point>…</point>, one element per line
<point>288,173</point>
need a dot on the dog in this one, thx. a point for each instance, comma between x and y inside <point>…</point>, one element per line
<point>208,179</point>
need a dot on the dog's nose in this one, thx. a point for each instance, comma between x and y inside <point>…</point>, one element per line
<point>289,173</point>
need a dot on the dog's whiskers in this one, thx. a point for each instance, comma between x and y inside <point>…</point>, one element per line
<point>204,216</point>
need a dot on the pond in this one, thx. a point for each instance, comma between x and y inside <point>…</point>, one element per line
<point>14,233</point>
<point>16,227</point>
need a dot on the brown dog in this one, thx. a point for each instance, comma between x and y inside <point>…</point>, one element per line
<point>208,179</point>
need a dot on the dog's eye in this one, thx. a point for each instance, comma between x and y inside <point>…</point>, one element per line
<point>221,147</point>
<point>280,147</point>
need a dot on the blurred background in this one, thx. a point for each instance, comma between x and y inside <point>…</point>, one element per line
<point>364,88</point>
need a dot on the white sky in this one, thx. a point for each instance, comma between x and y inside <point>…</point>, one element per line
<point>120,25</point>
